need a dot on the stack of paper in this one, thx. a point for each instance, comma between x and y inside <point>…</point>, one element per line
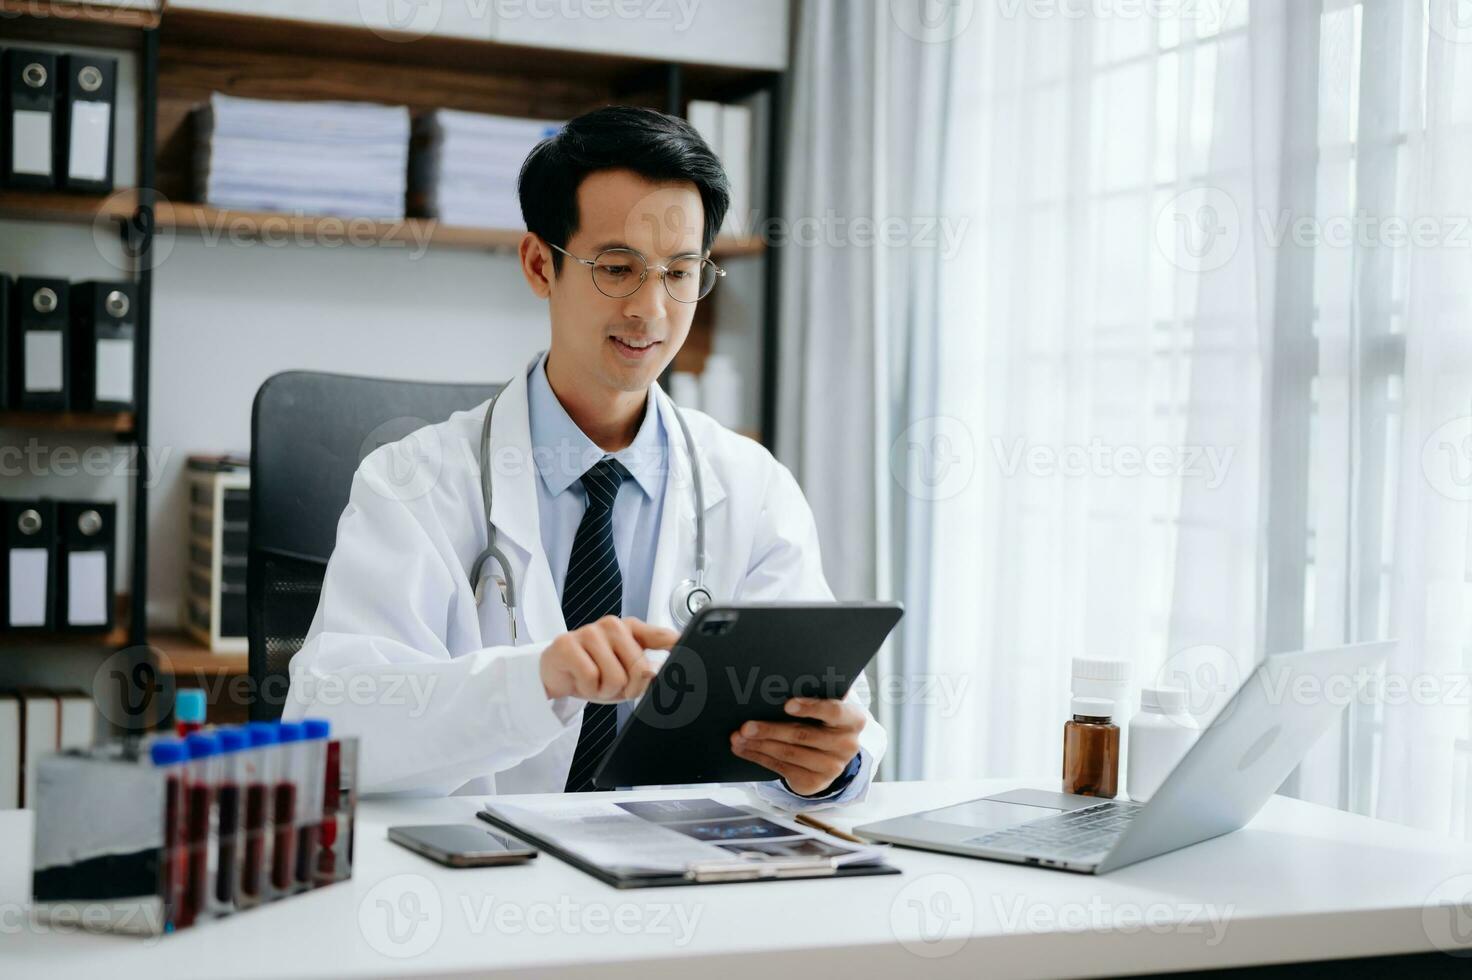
<point>727,130</point>
<point>33,725</point>
<point>10,753</point>
<point>338,158</point>
<point>676,836</point>
<point>468,165</point>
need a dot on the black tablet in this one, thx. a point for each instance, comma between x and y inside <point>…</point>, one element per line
<point>739,663</point>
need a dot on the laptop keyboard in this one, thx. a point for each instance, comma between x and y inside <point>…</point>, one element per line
<point>1087,832</point>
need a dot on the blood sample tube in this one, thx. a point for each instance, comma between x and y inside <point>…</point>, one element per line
<point>229,804</point>
<point>285,795</point>
<point>313,750</point>
<point>204,751</point>
<point>170,755</point>
<point>257,781</point>
<point>332,839</point>
<point>189,710</point>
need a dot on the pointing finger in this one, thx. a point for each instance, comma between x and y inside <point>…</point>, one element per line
<point>652,637</point>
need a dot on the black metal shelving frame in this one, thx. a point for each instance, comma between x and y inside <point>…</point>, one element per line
<point>57,25</point>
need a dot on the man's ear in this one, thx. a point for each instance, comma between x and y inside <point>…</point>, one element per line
<point>536,264</point>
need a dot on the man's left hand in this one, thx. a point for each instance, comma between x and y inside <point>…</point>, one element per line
<point>809,757</point>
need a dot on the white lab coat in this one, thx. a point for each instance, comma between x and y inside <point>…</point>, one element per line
<point>399,654</point>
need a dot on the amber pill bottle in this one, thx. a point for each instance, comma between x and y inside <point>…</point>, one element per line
<point>1091,749</point>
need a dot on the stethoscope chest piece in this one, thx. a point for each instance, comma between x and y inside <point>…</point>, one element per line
<point>688,599</point>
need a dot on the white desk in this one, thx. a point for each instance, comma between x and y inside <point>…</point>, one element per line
<point>1301,882</point>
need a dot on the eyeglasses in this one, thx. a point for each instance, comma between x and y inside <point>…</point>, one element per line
<point>619,272</point>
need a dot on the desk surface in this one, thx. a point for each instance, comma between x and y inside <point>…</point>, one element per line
<point>1301,882</point>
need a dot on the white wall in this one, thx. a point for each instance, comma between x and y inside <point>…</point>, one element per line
<point>749,33</point>
<point>227,317</point>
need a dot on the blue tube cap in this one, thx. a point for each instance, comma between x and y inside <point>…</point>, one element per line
<point>202,746</point>
<point>262,733</point>
<point>167,752</point>
<point>316,728</point>
<point>289,731</point>
<point>232,739</point>
<point>189,705</point>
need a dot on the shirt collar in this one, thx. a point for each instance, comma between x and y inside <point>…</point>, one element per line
<point>563,452</point>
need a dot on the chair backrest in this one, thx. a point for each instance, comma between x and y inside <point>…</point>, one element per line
<point>309,431</point>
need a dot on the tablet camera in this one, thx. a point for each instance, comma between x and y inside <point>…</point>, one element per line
<point>718,624</point>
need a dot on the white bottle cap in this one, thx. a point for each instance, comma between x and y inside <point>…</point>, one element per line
<point>1092,669</point>
<point>1093,707</point>
<point>1171,700</point>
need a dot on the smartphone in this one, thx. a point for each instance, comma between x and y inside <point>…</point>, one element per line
<point>458,845</point>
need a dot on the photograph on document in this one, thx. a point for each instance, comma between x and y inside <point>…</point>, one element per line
<point>671,835</point>
<point>799,847</point>
<point>681,811</point>
<point>746,828</point>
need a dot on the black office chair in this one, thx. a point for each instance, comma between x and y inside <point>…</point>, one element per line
<point>309,431</point>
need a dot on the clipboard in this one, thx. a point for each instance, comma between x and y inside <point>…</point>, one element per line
<point>714,873</point>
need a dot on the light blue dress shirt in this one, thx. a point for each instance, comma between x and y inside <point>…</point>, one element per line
<point>562,453</point>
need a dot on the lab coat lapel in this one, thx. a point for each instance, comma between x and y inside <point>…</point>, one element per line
<point>674,556</point>
<point>514,511</point>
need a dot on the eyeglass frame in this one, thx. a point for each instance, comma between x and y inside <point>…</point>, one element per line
<point>648,267</point>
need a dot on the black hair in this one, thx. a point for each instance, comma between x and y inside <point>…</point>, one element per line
<point>652,144</point>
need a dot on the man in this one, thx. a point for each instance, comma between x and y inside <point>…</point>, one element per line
<point>593,512</point>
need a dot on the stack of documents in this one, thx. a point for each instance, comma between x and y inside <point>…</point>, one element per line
<point>466,169</point>
<point>336,158</point>
<point>727,129</point>
<point>638,843</point>
<point>33,725</point>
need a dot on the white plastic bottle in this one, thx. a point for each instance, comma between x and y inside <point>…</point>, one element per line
<point>720,391</point>
<point>685,389</point>
<point>1159,735</point>
<point>1094,677</point>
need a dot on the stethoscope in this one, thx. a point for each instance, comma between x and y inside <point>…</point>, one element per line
<point>689,597</point>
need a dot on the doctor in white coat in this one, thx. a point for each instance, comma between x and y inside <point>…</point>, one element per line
<point>593,510</point>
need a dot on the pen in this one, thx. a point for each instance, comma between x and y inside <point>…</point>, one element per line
<point>827,828</point>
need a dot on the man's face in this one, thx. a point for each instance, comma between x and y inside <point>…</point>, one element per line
<point>623,344</point>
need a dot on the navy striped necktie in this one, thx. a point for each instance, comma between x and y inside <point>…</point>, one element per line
<point>594,588</point>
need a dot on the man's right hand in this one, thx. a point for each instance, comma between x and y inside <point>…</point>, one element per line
<point>604,661</point>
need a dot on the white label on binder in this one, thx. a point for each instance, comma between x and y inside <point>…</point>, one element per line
<point>30,148</point>
<point>28,586</point>
<point>114,370</point>
<point>43,360</point>
<point>90,124</point>
<point>86,591</point>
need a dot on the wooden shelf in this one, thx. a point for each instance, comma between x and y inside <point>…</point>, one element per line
<point>115,638</point>
<point>121,423</point>
<point>75,23</point>
<point>228,224</point>
<point>732,247</point>
<point>309,42</point>
<point>64,207</point>
<point>183,654</point>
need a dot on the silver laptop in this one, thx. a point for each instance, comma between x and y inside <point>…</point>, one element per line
<point>1240,760</point>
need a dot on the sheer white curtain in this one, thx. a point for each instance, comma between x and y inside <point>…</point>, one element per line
<point>1207,355</point>
<point>1190,383</point>
<point>1390,469</point>
<point>860,238</point>
<point>1420,764</point>
<point>1103,346</point>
